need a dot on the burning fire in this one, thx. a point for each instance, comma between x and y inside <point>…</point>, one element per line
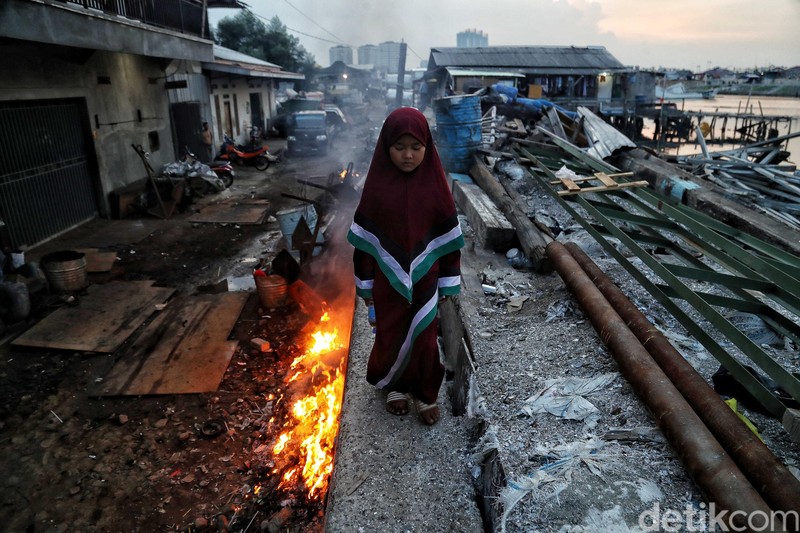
<point>314,423</point>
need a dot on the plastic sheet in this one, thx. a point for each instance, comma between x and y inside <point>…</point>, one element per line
<point>565,398</point>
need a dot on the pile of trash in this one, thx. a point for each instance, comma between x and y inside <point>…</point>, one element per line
<point>199,176</point>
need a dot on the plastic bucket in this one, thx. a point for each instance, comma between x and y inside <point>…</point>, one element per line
<point>458,130</point>
<point>272,290</point>
<point>65,270</point>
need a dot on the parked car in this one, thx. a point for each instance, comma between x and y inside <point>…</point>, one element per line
<point>309,132</point>
<point>285,109</point>
<point>336,117</point>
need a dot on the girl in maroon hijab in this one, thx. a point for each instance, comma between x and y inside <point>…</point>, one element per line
<point>407,240</point>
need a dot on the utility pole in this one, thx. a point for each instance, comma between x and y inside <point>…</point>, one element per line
<point>401,74</point>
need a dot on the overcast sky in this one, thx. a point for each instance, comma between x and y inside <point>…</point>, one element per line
<point>691,34</point>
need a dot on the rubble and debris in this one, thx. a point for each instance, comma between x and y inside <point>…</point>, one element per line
<point>509,338</point>
<point>754,174</point>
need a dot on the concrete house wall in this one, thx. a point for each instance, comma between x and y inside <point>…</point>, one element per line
<point>124,107</point>
<point>231,108</point>
<point>114,66</point>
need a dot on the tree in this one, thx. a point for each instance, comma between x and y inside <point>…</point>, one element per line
<point>245,33</point>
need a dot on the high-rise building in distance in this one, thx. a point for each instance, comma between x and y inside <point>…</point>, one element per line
<point>472,39</point>
<point>341,53</point>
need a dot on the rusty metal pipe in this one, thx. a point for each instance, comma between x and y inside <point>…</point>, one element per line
<point>770,477</point>
<point>713,470</point>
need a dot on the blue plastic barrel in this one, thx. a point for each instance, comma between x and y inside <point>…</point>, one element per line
<point>458,130</point>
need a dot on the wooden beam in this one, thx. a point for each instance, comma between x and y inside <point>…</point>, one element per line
<point>533,242</point>
<point>492,229</point>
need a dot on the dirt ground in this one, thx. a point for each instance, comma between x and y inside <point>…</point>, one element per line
<point>73,462</point>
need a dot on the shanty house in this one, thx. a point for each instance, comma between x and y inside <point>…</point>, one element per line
<point>718,76</point>
<point>344,84</point>
<point>243,91</point>
<point>84,81</point>
<point>566,74</point>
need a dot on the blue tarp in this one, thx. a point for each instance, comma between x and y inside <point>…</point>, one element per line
<point>532,104</point>
<point>510,92</point>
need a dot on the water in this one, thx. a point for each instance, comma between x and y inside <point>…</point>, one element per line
<point>766,105</point>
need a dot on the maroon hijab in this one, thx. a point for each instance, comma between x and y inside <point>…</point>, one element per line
<point>406,210</point>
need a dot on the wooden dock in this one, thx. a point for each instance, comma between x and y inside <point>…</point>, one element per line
<point>673,127</point>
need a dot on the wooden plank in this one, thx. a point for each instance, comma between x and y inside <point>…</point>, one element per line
<point>461,379</point>
<point>453,177</point>
<point>591,178</point>
<point>97,261</point>
<point>166,207</point>
<point>452,331</point>
<point>533,242</point>
<point>791,422</point>
<point>101,321</point>
<point>183,351</point>
<point>513,127</point>
<point>602,188</point>
<point>458,311</point>
<point>605,179</point>
<point>570,184</point>
<point>492,229</point>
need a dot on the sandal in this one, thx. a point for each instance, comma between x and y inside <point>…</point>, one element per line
<point>397,403</point>
<point>428,412</point>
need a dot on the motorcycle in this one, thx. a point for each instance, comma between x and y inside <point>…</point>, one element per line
<point>255,155</point>
<point>222,168</point>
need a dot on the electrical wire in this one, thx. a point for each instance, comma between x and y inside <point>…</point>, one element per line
<point>313,36</point>
<point>338,39</point>
<point>314,21</point>
<point>416,54</point>
<point>298,31</point>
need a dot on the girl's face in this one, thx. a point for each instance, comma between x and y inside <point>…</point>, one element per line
<point>407,153</point>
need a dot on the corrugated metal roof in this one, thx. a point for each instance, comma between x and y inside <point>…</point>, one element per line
<point>232,62</point>
<point>530,58</point>
<point>497,73</point>
<point>226,54</point>
<point>605,138</point>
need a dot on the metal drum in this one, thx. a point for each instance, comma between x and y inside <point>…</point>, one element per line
<point>458,130</point>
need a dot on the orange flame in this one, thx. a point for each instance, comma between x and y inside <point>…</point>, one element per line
<point>315,417</point>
